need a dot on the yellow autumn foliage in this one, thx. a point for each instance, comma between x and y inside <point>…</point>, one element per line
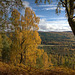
<point>26,38</point>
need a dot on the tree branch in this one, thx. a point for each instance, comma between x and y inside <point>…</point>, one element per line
<point>63,3</point>
<point>67,9</point>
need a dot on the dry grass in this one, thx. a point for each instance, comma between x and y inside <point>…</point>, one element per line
<point>21,69</point>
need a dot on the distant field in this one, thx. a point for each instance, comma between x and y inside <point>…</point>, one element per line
<point>53,45</point>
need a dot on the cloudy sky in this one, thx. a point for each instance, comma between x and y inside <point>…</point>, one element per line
<point>49,20</point>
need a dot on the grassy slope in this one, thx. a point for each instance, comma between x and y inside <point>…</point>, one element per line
<point>21,69</point>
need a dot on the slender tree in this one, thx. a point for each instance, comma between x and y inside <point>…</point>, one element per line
<point>25,37</point>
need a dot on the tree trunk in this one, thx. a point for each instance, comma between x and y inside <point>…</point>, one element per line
<point>21,58</point>
<point>72,24</point>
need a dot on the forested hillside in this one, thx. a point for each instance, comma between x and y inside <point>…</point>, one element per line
<point>60,47</point>
<point>57,38</point>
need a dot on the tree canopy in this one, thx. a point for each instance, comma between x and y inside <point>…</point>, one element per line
<point>6,7</point>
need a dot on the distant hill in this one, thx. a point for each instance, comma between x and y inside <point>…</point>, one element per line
<point>57,38</point>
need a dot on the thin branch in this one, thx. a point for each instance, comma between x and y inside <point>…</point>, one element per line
<point>63,3</point>
<point>67,8</point>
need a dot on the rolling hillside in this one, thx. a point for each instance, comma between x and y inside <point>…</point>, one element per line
<point>60,47</point>
<point>57,38</point>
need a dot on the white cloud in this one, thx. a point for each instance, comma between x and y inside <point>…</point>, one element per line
<point>60,18</point>
<point>62,25</point>
<point>53,8</point>
<point>26,4</point>
<point>46,5</point>
<point>50,7</point>
<point>40,16</point>
<point>34,9</point>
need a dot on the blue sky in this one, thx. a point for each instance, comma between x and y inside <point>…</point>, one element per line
<point>49,20</point>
